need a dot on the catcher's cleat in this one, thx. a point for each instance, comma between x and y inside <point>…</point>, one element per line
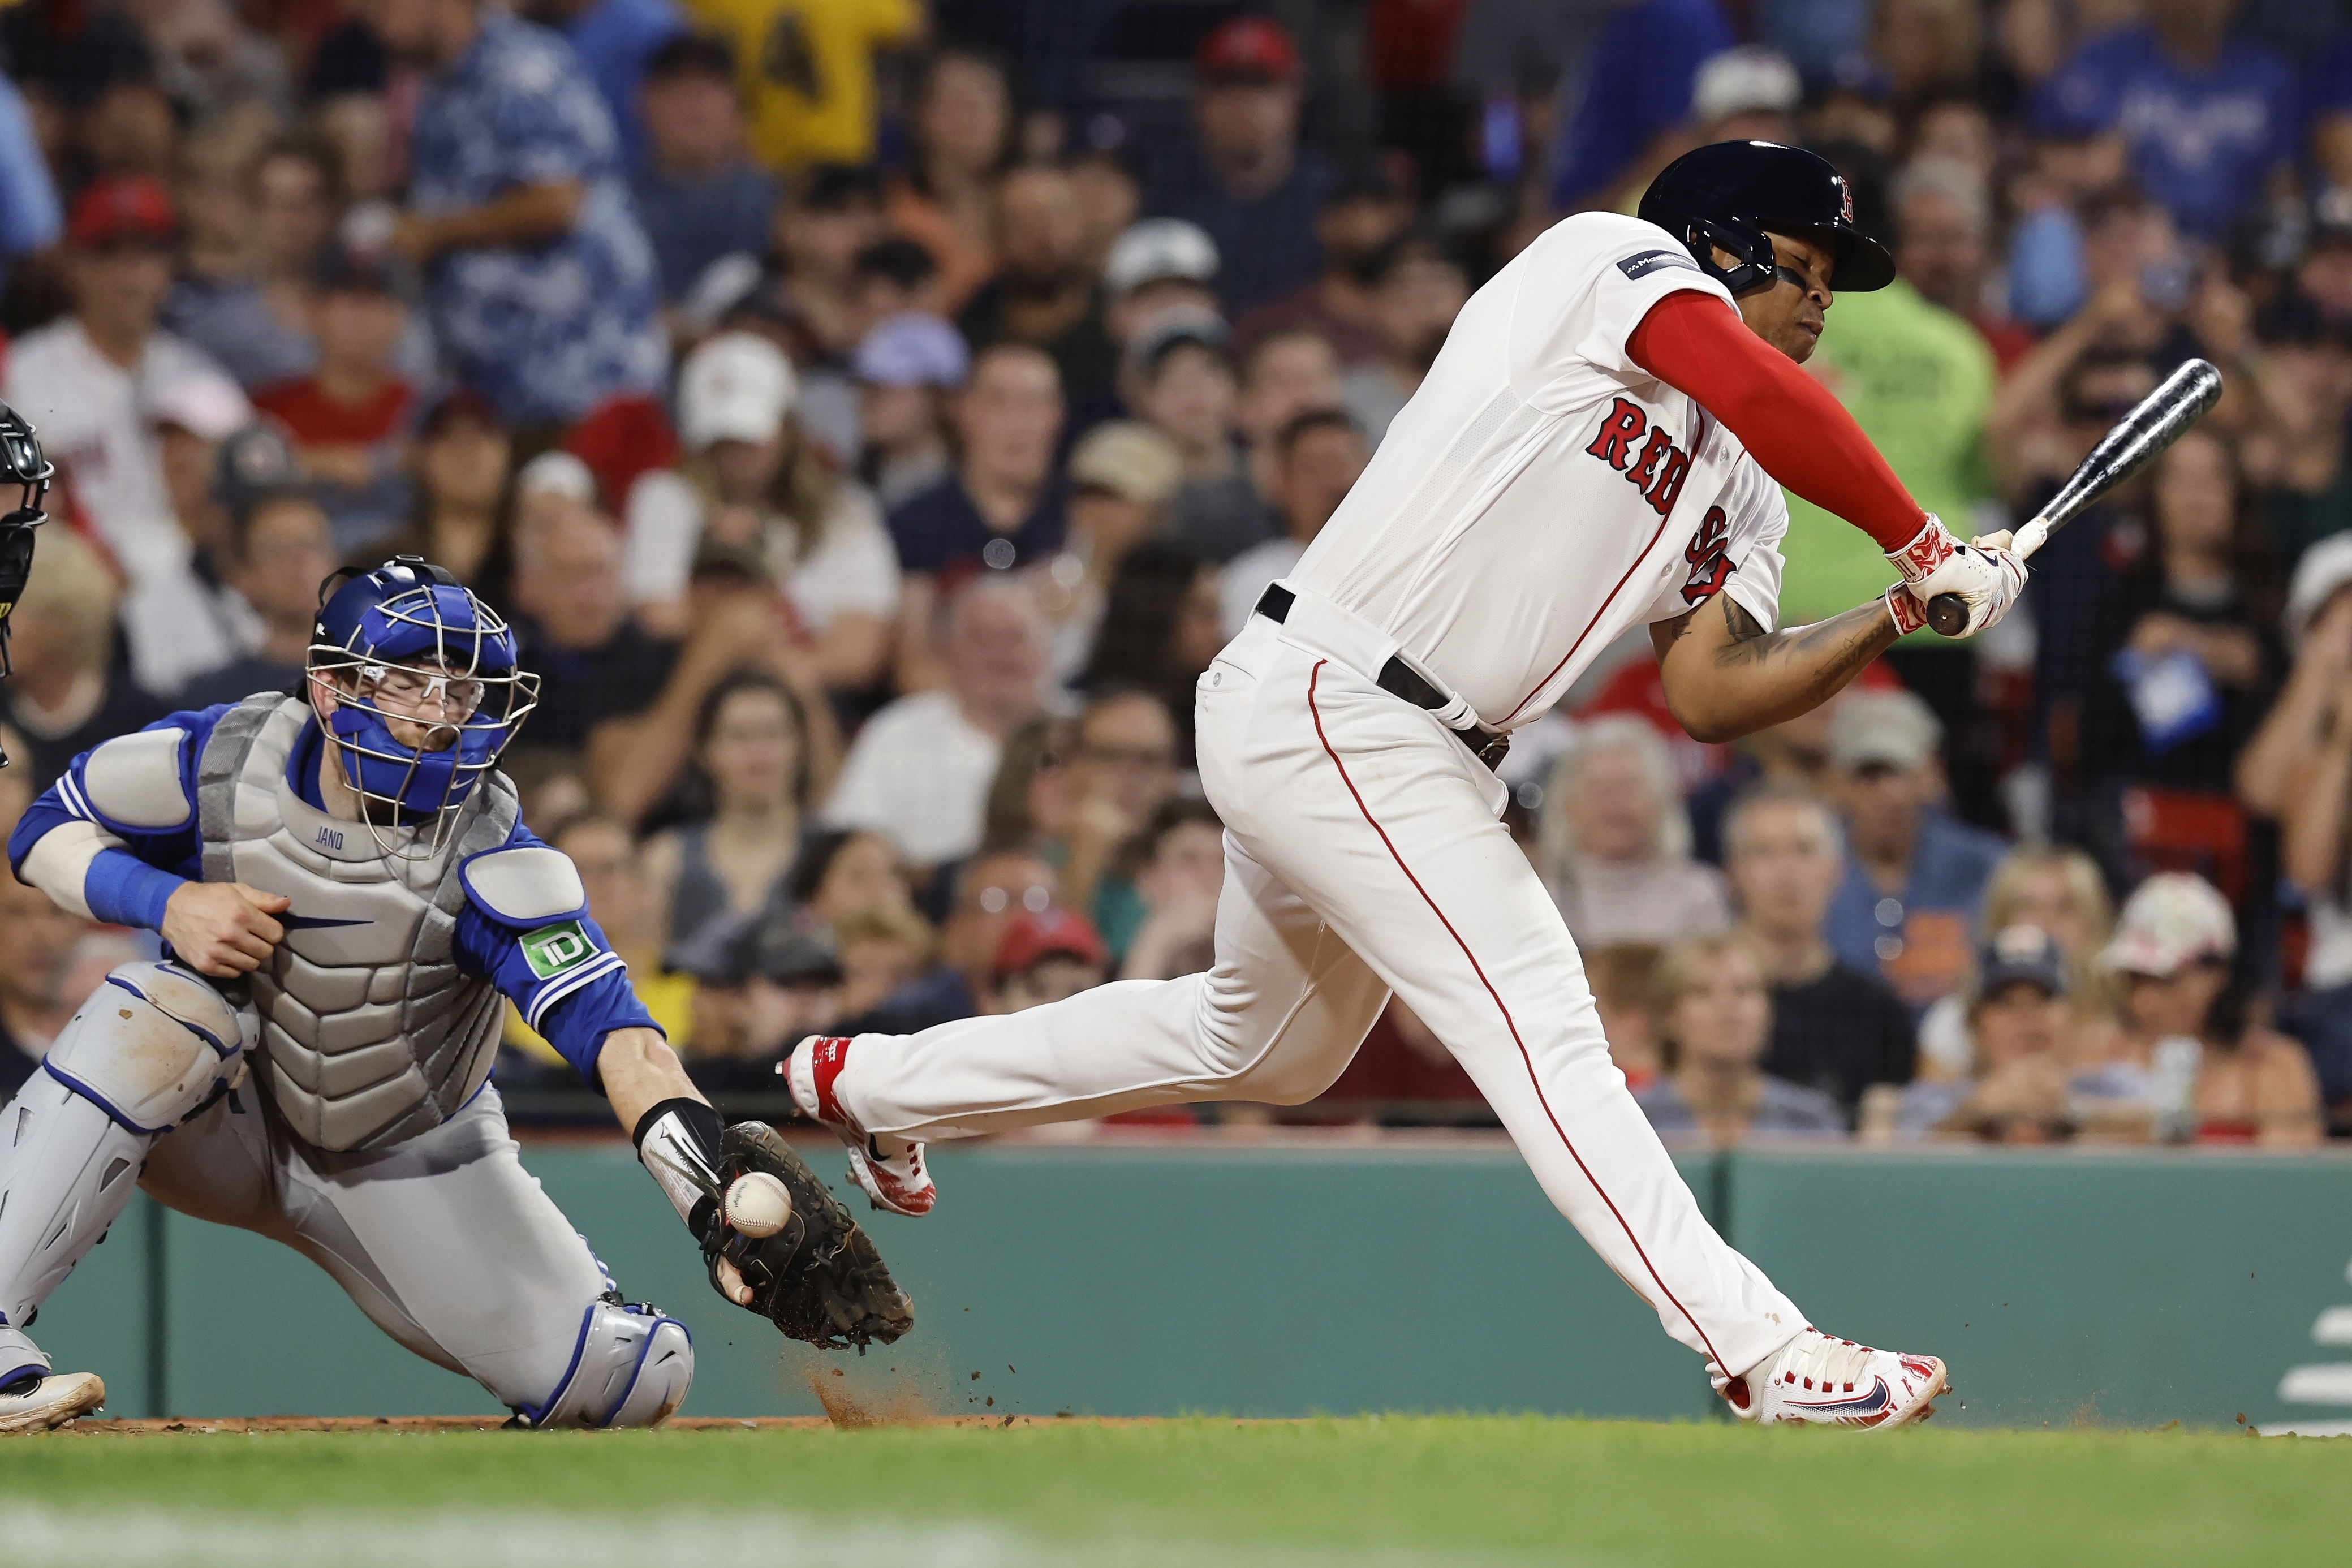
<point>889,1170</point>
<point>38,1402</point>
<point>819,1279</point>
<point>1822,1382</point>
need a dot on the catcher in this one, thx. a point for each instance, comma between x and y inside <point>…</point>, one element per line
<point>347,894</point>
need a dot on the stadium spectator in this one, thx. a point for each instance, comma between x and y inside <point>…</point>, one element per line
<point>840,875</point>
<point>1004,508</point>
<point>64,694</point>
<point>907,368</point>
<point>1621,975</point>
<point>2017,1022</point>
<point>593,662</point>
<point>2057,889</point>
<point>2209,122</point>
<point>791,990</point>
<point>247,303</point>
<point>38,937</point>
<point>919,771</point>
<point>1635,94</point>
<point>1119,769</point>
<point>1714,1019</point>
<point>1615,842</point>
<point>2182,647</point>
<point>2296,450</point>
<point>831,215</point>
<point>89,381</point>
<point>617,41</point>
<point>881,950</point>
<point>1042,292</point>
<point>177,618</point>
<point>1044,956</point>
<point>1906,907</point>
<point>733,857</point>
<point>1031,800</point>
<point>808,73</point>
<point>1363,214</point>
<point>1180,871</point>
<point>1418,288</point>
<point>1154,265</point>
<point>1243,177</point>
<point>2297,770</point>
<point>698,194</point>
<point>1161,628</point>
<point>543,287</point>
<point>280,547</point>
<point>1286,374</point>
<point>991,890</point>
<point>1121,476</point>
<point>2206,1070</point>
<point>946,199</point>
<point>1109,200</point>
<point>1177,377</point>
<point>1833,1028</point>
<point>351,418</point>
<point>896,277</point>
<point>1943,226</point>
<point>755,483</point>
<point>1320,456</point>
<point>463,462</point>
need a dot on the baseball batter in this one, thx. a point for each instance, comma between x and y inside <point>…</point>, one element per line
<point>1595,448</point>
<point>349,897</point>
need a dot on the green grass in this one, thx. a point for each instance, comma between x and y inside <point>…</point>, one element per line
<point>1353,1491</point>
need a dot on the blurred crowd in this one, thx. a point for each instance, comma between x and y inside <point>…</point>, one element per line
<point>874,415</point>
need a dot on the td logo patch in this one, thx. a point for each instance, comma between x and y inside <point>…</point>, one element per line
<point>552,950</point>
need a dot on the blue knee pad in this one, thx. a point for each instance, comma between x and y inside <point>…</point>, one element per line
<point>630,1367</point>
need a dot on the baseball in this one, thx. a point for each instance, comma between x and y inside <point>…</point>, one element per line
<point>758,1205</point>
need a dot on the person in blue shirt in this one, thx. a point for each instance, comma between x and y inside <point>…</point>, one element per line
<point>348,899</point>
<point>614,39</point>
<point>542,284</point>
<point>1905,910</point>
<point>2208,120</point>
<point>30,217</point>
<point>1636,88</point>
<point>697,192</point>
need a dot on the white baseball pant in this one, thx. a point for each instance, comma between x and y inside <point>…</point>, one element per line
<point>1363,855</point>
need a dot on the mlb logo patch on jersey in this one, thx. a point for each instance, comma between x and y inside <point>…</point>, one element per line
<point>1637,268</point>
<point>552,950</point>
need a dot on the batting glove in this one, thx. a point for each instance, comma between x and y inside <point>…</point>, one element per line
<point>1987,578</point>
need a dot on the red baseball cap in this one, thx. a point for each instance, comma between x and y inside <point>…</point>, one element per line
<point>121,207</point>
<point>1247,48</point>
<point>1033,936</point>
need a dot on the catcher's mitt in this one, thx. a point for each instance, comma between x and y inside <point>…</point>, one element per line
<point>819,1278</point>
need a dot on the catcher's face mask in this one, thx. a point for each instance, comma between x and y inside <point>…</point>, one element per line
<point>22,465</point>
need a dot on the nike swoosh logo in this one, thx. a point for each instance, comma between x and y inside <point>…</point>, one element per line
<point>1870,1403</point>
<point>315,923</point>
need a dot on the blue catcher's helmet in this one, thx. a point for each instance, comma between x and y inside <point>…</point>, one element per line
<point>408,644</point>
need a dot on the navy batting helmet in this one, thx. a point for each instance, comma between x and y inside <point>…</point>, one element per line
<point>1731,195</point>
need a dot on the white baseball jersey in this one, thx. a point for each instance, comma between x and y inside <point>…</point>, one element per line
<point>1541,492</point>
<point>94,421</point>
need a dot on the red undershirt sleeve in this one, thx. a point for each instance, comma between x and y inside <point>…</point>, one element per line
<point>1787,421</point>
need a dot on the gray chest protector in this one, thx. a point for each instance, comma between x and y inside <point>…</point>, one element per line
<point>370,1033</point>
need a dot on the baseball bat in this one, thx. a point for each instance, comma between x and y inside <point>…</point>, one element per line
<point>2159,420</point>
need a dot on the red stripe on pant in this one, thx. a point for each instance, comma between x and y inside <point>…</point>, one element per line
<point>1314,676</point>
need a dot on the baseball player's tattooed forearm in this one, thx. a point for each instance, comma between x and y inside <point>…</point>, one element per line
<point>1832,652</point>
<point>1726,676</point>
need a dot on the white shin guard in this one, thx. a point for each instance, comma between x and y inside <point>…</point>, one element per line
<point>631,1368</point>
<point>150,1047</point>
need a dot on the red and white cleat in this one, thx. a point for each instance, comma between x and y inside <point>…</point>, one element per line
<point>889,1170</point>
<point>1821,1382</point>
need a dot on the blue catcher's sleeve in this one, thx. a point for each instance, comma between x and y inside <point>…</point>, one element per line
<point>116,836</point>
<point>526,926</point>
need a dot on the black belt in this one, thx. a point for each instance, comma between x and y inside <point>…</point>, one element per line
<point>1397,679</point>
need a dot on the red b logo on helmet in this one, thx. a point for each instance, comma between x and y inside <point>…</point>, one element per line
<point>1845,200</point>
